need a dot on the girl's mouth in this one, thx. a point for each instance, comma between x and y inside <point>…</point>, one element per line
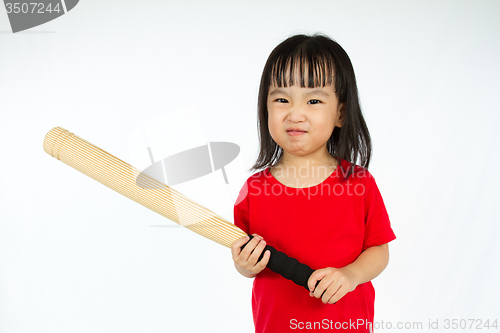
<point>295,133</point>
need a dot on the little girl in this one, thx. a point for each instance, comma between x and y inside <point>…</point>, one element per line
<point>312,201</point>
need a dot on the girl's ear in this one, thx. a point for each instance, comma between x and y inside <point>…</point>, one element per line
<point>341,115</point>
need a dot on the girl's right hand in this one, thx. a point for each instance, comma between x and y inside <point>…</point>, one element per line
<point>245,260</point>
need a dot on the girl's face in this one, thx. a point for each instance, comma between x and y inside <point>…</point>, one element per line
<point>301,120</point>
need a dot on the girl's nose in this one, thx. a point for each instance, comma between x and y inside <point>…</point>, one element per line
<point>296,114</point>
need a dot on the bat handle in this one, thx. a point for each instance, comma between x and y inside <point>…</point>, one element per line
<point>289,268</point>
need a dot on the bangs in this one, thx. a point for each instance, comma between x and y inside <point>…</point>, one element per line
<point>304,66</point>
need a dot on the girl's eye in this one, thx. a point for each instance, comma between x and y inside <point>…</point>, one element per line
<point>314,101</point>
<point>281,100</point>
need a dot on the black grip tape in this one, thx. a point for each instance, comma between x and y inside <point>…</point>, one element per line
<point>289,268</point>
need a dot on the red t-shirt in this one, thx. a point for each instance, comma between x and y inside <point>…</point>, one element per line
<point>327,225</point>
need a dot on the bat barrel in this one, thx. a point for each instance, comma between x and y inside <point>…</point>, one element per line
<point>123,178</point>
<point>54,140</point>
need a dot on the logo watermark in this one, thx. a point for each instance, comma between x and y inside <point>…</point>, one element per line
<point>364,324</point>
<point>290,181</point>
<point>24,15</point>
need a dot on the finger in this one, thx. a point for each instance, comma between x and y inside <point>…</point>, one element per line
<point>236,247</point>
<point>254,257</point>
<point>264,261</point>
<point>322,287</point>
<point>330,292</point>
<point>249,247</point>
<point>257,235</point>
<point>338,295</point>
<point>240,256</point>
<point>258,254</point>
<point>314,278</point>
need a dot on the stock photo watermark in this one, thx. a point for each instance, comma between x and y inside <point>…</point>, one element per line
<point>307,171</point>
<point>24,15</point>
<point>323,189</point>
<point>364,324</point>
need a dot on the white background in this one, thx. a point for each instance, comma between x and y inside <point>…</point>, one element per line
<point>77,257</point>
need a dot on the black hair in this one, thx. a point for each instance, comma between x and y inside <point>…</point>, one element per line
<point>326,63</point>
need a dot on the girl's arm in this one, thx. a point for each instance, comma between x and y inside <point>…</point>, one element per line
<point>336,282</point>
<point>370,263</point>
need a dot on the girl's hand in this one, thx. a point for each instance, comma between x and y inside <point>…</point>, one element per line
<point>335,283</point>
<point>246,260</point>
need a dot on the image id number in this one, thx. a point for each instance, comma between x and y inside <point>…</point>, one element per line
<point>469,323</point>
<point>32,7</point>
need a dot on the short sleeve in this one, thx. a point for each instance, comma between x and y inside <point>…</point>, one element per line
<point>241,209</point>
<point>378,229</point>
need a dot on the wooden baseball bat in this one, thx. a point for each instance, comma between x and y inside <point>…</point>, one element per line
<point>160,198</point>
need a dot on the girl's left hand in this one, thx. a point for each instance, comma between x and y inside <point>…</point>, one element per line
<point>335,283</point>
